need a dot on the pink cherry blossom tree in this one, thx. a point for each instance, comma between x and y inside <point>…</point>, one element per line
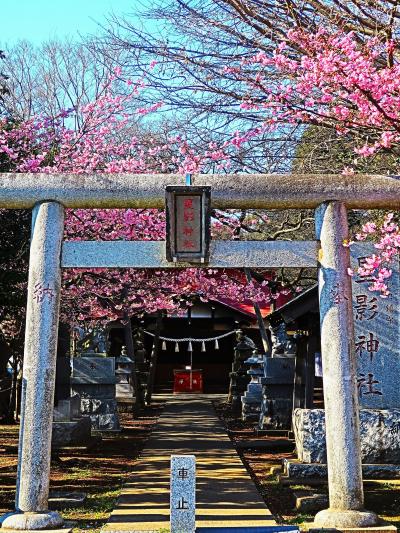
<point>338,82</point>
<point>335,82</point>
<point>104,143</point>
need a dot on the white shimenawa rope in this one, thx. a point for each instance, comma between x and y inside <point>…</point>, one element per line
<point>192,339</point>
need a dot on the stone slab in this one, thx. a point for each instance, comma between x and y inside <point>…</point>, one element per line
<point>63,530</point>
<point>297,470</point>
<point>106,422</point>
<point>279,370</point>
<point>124,389</point>
<point>307,502</point>
<point>61,414</point>
<point>278,407</point>
<point>253,388</point>
<point>100,380</point>
<point>92,443</point>
<point>257,372</point>
<point>91,353</point>
<point>252,399</point>
<point>274,433</point>
<point>94,391</point>
<point>59,500</point>
<point>270,529</point>
<point>4,516</point>
<point>125,401</point>
<point>379,529</point>
<point>71,433</point>
<point>93,369</point>
<point>281,392</point>
<point>97,406</point>
<point>75,406</point>
<point>67,409</point>
<point>379,435</point>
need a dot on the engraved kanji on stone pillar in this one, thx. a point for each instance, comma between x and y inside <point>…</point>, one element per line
<point>376,324</point>
<point>183,493</point>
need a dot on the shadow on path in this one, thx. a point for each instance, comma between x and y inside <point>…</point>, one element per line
<point>226,496</point>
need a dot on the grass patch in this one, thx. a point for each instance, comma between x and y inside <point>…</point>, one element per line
<point>95,512</point>
<point>80,473</point>
<point>300,518</point>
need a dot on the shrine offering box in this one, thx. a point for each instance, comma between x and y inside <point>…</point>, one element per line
<point>188,381</point>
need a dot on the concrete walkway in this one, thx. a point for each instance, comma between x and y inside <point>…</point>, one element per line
<point>226,496</point>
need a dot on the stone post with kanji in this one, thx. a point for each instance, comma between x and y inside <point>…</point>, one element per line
<point>346,498</point>
<point>183,494</point>
<point>42,316</point>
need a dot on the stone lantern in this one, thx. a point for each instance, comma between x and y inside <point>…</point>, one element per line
<point>124,383</point>
<point>252,398</point>
<point>239,378</point>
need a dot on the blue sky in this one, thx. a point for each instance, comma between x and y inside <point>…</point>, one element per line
<point>40,20</point>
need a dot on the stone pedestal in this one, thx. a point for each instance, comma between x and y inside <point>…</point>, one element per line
<point>304,471</point>
<point>277,393</point>
<point>67,409</point>
<point>71,432</point>
<point>93,378</point>
<point>63,375</point>
<point>70,428</point>
<point>379,435</point>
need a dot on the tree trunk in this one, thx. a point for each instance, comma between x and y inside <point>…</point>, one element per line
<point>153,360</point>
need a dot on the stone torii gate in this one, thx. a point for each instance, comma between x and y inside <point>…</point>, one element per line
<point>330,195</point>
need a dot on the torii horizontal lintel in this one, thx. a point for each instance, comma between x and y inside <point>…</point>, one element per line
<point>236,191</point>
<point>223,254</point>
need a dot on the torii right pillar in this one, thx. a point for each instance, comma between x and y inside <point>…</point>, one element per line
<point>346,495</point>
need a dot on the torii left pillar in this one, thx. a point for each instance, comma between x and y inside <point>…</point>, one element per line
<point>39,370</point>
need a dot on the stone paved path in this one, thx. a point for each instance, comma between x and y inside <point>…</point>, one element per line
<point>226,495</point>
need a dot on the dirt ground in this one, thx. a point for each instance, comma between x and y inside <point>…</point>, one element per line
<point>382,497</point>
<point>101,471</point>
